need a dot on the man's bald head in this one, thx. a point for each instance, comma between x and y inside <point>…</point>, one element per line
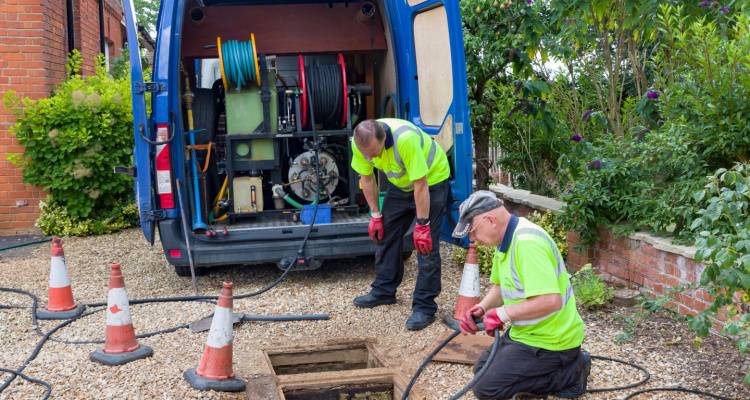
<point>368,131</point>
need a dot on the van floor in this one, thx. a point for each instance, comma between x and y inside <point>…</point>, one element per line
<point>282,220</point>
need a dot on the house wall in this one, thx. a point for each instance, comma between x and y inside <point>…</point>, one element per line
<point>33,54</point>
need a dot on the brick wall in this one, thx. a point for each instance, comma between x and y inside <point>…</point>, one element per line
<point>32,33</point>
<point>644,262</point>
<point>33,54</point>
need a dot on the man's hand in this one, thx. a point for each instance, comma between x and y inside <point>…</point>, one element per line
<point>492,321</point>
<point>422,239</point>
<point>375,229</point>
<point>467,324</point>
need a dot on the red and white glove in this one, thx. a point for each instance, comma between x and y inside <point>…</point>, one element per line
<point>467,324</point>
<point>422,238</point>
<point>376,229</point>
<point>496,318</point>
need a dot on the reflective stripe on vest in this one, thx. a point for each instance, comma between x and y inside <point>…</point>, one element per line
<point>430,157</point>
<point>519,293</point>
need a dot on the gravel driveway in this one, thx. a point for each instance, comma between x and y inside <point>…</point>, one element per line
<point>663,346</point>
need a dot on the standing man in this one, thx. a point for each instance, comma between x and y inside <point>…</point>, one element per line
<point>417,169</point>
<point>531,298</point>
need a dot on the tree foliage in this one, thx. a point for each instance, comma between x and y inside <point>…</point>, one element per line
<point>147,11</point>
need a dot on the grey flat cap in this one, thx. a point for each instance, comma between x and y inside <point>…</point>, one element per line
<point>478,203</point>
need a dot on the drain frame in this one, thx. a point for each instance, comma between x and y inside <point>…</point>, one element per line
<point>377,370</point>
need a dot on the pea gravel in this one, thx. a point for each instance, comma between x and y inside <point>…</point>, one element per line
<point>664,346</point>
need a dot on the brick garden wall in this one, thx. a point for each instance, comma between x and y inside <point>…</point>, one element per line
<point>33,54</point>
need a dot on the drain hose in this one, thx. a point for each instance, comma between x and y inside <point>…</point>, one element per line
<point>477,376</point>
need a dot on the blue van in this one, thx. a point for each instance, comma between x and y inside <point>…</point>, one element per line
<point>244,157</point>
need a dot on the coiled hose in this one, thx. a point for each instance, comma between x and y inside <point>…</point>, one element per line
<point>325,90</point>
<point>238,59</point>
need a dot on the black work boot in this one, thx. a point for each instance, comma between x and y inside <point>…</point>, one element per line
<point>419,320</point>
<point>579,388</point>
<point>370,300</point>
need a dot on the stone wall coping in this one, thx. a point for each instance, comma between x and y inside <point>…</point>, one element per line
<point>665,244</point>
<point>527,198</point>
<point>543,203</point>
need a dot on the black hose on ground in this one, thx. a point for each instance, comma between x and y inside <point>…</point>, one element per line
<point>493,351</point>
<point>616,388</point>
<point>674,389</point>
<point>468,386</point>
<point>47,386</point>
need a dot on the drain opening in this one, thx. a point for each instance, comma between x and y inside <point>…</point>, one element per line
<point>323,360</point>
<point>363,391</point>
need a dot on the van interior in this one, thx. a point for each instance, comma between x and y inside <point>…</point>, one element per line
<point>270,95</point>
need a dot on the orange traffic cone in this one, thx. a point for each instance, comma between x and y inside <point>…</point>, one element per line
<point>120,344</point>
<point>468,292</point>
<point>60,304</point>
<point>214,371</point>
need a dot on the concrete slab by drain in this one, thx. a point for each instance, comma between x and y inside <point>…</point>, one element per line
<point>464,349</point>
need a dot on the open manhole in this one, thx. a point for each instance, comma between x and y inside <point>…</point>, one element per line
<point>344,357</point>
<point>361,391</point>
<point>341,369</point>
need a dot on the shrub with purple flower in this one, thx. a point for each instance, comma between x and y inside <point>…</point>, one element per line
<point>652,94</point>
<point>594,165</point>
<point>587,114</point>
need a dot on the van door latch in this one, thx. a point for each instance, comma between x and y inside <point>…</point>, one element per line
<point>125,170</point>
<point>151,87</point>
<point>155,215</point>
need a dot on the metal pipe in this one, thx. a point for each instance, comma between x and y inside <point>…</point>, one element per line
<point>278,318</point>
<point>102,47</point>
<point>187,238</point>
<point>69,25</point>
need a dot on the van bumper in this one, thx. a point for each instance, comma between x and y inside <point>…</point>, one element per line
<point>216,252</point>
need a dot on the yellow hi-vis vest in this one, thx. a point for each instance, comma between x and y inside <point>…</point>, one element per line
<point>413,155</point>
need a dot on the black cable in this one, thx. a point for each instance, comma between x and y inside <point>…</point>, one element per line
<point>325,92</point>
<point>481,372</point>
<point>468,386</point>
<point>616,388</point>
<point>42,341</point>
<point>674,389</point>
<point>46,385</point>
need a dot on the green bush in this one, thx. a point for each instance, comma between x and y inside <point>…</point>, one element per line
<point>723,245</point>
<point>54,220</point>
<point>590,290</point>
<point>696,124</point>
<point>551,223</point>
<point>72,141</point>
<point>485,254</point>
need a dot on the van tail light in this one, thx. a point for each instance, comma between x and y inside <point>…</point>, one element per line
<point>164,168</point>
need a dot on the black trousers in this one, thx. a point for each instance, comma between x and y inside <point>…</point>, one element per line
<point>399,213</point>
<point>518,367</point>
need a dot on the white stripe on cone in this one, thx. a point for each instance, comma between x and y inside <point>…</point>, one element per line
<point>469,281</point>
<point>221,333</point>
<point>118,308</point>
<point>58,274</point>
